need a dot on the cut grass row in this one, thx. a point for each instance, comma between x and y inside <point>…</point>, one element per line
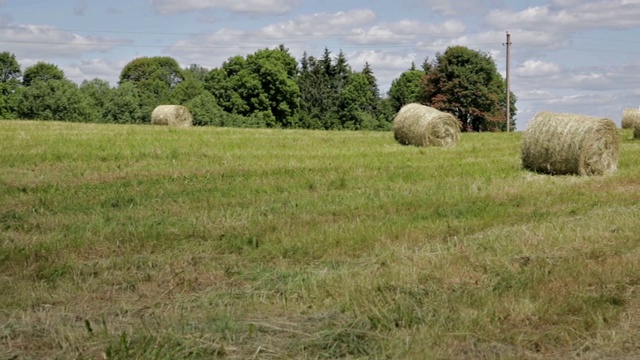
<point>151,242</point>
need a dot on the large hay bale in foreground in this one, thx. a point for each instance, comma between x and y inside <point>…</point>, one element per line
<point>420,125</point>
<point>630,117</point>
<point>562,144</point>
<point>172,115</point>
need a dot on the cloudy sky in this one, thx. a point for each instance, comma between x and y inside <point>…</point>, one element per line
<point>566,55</point>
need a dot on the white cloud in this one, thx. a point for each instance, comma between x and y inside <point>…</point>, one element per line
<point>612,14</point>
<point>537,69</point>
<point>354,31</point>
<point>386,65</point>
<point>99,68</point>
<point>591,81</point>
<point>170,7</point>
<point>459,7</point>
<point>46,41</point>
<point>534,95</point>
<point>304,33</point>
<point>583,100</point>
<point>320,24</point>
<point>405,31</point>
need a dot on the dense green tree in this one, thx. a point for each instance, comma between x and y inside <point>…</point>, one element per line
<point>378,108</point>
<point>9,97</point>
<point>356,102</point>
<point>190,88</point>
<point>9,68</point>
<point>150,69</point>
<point>205,110</point>
<point>218,82</point>
<point>152,94</point>
<point>339,72</point>
<point>42,71</point>
<point>199,72</point>
<point>311,91</point>
<point>321,81</point>
<point>155,79</point>
<point>260,87</point>
<point>406,88</point>
<point>124,106</point>
<point>98,92</point>
<point>10,74</point>
<point>467,84</point>
<point>279,93</point>
<point>360,103</point>
<point>54,100</point>
<point>371,79</point>
<point>386,113</point>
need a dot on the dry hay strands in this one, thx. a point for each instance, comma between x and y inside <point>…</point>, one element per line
<point>172,115</point>
<point>420,125</point>
<point>630,117</point>
<point>570,144</point>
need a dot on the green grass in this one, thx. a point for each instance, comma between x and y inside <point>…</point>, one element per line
<point>126,242</point>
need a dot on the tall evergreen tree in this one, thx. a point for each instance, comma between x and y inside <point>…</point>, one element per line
<point>310,93</point>
<point>321,82</point>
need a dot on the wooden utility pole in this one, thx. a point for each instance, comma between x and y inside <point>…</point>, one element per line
<point>508,45</point>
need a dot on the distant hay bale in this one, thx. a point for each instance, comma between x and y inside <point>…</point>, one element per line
<point>630,117</point>
<point>420,125</point>
<point>172,115</point>
<point>564,144</point>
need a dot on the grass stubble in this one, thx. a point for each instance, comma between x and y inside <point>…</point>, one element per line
<point>125,242</point>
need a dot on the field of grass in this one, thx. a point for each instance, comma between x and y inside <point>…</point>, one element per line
<point>143,242</point>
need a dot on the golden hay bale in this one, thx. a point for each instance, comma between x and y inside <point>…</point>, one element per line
<point>172,115</point>
<point>630,117</point>
<point>420,125</point>
<point>562,144</point>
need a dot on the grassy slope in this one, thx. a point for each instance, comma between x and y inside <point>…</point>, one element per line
<point>150,242</point>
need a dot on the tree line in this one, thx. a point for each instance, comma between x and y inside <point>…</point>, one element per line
<point>269,88</point>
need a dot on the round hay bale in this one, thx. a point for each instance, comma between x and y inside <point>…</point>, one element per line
<point>564,144</point>
<point>420,125</point>
<point>630,117</point>
<point>636,130</point>
<point>172,115</point>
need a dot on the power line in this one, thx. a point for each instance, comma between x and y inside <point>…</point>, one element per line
<point>254,35</point>
<point>216,47</point>
<point>241,33</point>
<point>293,38</point>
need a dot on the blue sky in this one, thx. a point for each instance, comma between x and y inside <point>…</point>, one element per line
<point>566,55</point>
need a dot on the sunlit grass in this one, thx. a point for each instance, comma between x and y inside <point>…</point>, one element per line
<point>151,242</point>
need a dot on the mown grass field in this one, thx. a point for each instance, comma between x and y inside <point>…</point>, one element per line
<point>143,242</point>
